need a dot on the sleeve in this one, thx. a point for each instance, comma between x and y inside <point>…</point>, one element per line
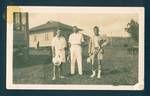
<point>70,39</point>
<point>82,38</point>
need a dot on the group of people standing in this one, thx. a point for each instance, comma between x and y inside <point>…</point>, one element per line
<point>76,39</point>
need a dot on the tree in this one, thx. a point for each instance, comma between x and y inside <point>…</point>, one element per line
<point>133,29</point>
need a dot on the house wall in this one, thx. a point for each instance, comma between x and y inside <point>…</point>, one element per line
<point>44,39</point>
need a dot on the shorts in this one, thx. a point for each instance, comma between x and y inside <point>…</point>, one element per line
<point>61,54</point>
<point>98,54</point>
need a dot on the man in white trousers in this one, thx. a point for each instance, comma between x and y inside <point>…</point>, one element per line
<point>75,41</point>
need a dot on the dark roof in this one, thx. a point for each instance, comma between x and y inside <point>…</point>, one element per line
<point>50,25</point>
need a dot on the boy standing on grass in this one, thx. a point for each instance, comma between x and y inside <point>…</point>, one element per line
<point>96,51</point>
<point>58,52</point>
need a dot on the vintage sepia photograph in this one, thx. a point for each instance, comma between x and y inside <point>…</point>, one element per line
<point>75,48</point>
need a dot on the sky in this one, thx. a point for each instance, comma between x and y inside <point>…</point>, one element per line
<point>111,24</point>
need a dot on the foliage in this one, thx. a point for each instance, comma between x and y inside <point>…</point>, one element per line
<point>133,29</point>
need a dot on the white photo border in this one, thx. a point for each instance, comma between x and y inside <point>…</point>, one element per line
<point>45,9</point>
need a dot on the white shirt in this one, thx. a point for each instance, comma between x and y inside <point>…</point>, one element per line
<point>59,42</point>
<point>76,38</point>
<point>97,39</point>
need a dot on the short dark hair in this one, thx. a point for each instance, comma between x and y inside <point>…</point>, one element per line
<point>96,27</point>
<point>75,27</point>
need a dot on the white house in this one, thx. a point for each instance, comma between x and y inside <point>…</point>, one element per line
<point>44,33</point>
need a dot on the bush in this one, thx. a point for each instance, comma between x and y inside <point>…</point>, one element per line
<point>133,29</point>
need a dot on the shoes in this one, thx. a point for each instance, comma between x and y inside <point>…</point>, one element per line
<point>99,74</point>
<point>62,77</point>
<point>71,74</point>
<point>93,74</point>
<point>53,78</point>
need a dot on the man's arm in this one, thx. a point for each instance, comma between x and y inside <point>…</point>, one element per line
<point>69,41</point>
<point>53,51</point>
<point>65,43</point>
<point>53,47</point>
<point>90,47</point>
<point>105,41</point>
<point>82,38</point>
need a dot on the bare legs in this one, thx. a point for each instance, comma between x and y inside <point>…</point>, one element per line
<point>57,70</point>
<point>97,68</point>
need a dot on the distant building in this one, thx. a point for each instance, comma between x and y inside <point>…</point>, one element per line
<point>42,35</point>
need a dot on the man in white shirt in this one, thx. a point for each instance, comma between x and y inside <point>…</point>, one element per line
<point>58,51</point>
<point>75,40</point>
<point>96,51</point>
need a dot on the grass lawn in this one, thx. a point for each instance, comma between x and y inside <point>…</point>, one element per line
<point>118,68</point>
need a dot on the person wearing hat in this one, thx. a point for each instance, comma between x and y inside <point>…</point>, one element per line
<point>58,53</point>
<point>96,51</point>
<point>75,41</point>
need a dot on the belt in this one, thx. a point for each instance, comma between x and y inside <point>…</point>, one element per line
<point>60,49</point>
<point>76,44</point>
<point>96,47</point>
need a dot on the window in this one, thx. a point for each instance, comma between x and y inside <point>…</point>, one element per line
<point>20,21</point>
<point>46,36</point>
<point>17,23</point>
<point>24,21</point>
<point>17,18</point>
<point>24,18</point>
